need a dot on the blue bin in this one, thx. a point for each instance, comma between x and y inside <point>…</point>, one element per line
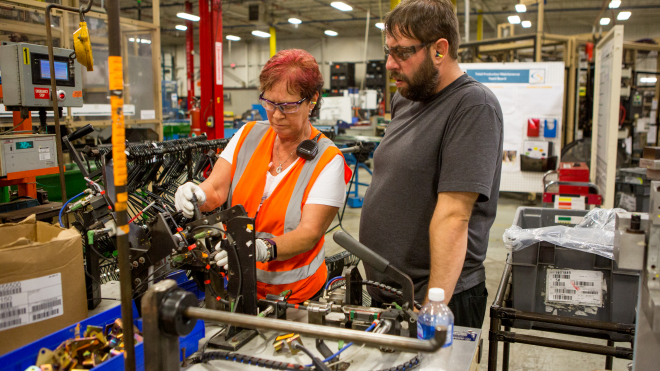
<point>26,356</point>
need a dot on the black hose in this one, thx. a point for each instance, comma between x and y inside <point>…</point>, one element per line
<point>246,359</point>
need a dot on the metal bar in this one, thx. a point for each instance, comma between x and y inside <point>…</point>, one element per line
<point>510,313</point>
<point>116,85</point>
<point>492,339</point>
<point>318,331</point>
<point>190,58</point>
<point>506,349</point>
<point>609,360</point>
<point>618,352</point>
<point>497,41</point>
<point>218,96</point>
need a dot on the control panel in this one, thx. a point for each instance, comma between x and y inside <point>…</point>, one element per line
<point>26,77</point>
<point>27,152</point>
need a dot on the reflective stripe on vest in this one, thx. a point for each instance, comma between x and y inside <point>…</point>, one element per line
<point>248,147</point>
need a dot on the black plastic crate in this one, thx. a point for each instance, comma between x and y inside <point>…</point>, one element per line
<point>530,267</point>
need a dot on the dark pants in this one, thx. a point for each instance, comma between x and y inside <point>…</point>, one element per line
<point>469,306</point>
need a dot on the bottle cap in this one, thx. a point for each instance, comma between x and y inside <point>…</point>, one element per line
<point>436,294</point>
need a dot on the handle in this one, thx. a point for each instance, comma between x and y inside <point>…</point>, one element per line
<point>356,248</point>
<point>85,130</point>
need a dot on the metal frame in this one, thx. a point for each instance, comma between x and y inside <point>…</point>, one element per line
<point>500,316</point>
<point>67,42</point>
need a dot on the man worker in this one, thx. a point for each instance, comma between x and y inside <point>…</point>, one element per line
<point>436,176</point>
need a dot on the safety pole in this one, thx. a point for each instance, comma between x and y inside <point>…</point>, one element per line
<point>116,83</point>
<point>273,42</point>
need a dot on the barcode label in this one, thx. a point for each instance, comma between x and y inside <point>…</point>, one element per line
<point>30,301</point>
<point>11,323</point>
<point>574,286</point>
<point>49,304</point>
<point>46,314</point>
<point>12,313</point>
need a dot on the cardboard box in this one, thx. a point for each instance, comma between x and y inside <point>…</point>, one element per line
<point>42,282</point>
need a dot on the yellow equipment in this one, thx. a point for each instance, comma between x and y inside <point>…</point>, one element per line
<point>83,47</point>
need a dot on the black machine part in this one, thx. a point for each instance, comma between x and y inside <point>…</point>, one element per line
<point>379,263</point>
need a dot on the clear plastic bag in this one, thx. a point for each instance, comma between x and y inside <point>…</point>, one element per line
<point>595,234</point>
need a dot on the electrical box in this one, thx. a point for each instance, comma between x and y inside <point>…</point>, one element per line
<point>26,77</point>
<point>27,152</point>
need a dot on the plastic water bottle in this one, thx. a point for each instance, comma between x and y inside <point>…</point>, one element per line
<point>436,313</point>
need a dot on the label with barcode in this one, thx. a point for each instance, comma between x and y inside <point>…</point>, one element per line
<point>572,286</point>
<point>29,301</point>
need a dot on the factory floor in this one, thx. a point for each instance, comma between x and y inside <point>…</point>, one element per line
<point>522,357</point>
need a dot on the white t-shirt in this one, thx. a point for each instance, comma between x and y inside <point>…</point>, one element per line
<point>328,189</point>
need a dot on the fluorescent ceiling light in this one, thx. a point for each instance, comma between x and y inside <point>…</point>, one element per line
<point>131,39</point>
<point>233,38</point>
<point>604,21</point>
<point>623,16</point>
<point>648,80</point>
<point>331,33</point>
<point>187,16</point>
<point>514,19</point>
<point>380,25</point>
<point>295,21</point>
<point>526,24</point>
<point>181,27</point>
<point>341,6</point>
<point>261,34</point>
<point>145,41</point>
<point>614,4</point>
<point>521,8</point>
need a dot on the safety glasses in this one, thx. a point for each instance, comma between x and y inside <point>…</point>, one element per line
<point>288,107</point>
<point>402,53</point>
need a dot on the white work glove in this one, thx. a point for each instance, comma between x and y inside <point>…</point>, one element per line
<point>261,250</point>
<point>221,257</point>
<point>183,197</point>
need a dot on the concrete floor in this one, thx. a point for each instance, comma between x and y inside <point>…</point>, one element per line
<point>523,357</point>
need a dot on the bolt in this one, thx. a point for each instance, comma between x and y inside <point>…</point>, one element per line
<point>141,260</point>
<point>205,222</point>
<point>234,339</point>
<point>135,264</point>
<point>137,281</point>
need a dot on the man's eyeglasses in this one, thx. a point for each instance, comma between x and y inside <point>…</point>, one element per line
<point>288,107</point>
<point>402,53</point>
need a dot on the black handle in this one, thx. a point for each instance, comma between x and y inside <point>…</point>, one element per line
<point>85,130</point>
<point>356,248</point>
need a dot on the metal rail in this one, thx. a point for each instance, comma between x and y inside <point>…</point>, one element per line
<point>318,331</point>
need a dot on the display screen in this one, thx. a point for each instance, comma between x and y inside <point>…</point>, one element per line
<point>61,70</point>
<point>24,145</point>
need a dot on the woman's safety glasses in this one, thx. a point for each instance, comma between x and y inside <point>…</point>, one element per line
<point>289,107</point>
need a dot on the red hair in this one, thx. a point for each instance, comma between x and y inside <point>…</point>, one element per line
<point>300,70</point>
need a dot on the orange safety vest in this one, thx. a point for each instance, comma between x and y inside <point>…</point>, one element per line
<point>306,273</point>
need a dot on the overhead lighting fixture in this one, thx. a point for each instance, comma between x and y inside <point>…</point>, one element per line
<point>181,27</point>
<point>131,39</point>
<point>521,8</point>
<point>623,16</point>
<point>233,38</point>
<point>145,41</point>
<point>380,25</point>
<point>295,21</point>
<point>526,24</point>
<point>648,80</point>
<point>341,6</point>
<point>514,19</point>
<point>187,16</point>
<point>615,4</point>
<point>604,21</point>
<point>258,33</point>
<point>331,33</point>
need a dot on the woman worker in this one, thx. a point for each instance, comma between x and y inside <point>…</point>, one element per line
<point>293,200</point>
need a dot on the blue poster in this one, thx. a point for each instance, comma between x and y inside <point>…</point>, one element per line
<point>501,76</point>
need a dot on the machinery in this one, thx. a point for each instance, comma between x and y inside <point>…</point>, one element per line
<point>19,153</point>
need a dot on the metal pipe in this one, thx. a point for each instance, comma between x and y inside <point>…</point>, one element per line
<point>116,85</point>
<point>496,41</point>
<point>618,352</point>
<point>510,313</point>
<point>501,289</point>
<point>318,331</point>
<point>506,352</point>
<point>467,21</point>
<point>366,47</point>
<point>53,88</point>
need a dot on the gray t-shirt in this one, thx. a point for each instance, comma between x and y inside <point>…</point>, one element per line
<point>451,143</point>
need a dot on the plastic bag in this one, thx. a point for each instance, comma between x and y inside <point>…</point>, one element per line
<point>595,234</point>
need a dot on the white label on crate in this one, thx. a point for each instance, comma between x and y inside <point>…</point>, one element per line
<point>44,156</point>
<point>146,114</point>
<point>29,301</point>
<point>571,286</point>
<point>44,149</point>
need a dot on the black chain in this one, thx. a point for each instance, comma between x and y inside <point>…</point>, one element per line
<point>250,360</point>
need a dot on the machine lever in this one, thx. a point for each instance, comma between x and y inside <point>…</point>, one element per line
<point>356,248</point>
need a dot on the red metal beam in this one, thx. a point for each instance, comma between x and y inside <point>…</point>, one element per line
<point>218,98</point>
<point>206,56</point>
<point>190,57</point>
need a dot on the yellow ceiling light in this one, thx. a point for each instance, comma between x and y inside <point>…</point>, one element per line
<point>83,47</point>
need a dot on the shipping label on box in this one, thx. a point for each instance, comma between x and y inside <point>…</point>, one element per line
<point>30,301</point>
<point>572,286</point>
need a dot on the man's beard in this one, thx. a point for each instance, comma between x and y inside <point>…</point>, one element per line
<point>422,85</point>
